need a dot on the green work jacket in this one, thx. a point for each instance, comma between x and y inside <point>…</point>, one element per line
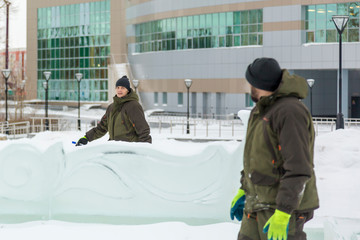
<point>278,157</point>
<point>124,120</point>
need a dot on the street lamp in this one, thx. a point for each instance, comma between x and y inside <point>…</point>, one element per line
<point>311,84</point>
<point>78,78</point>
<point>6,74</point>
<point>188,83</point>
<point>135,83</point>
<point>22,88</point>
<point>340,22</point>
<point>46,87</point>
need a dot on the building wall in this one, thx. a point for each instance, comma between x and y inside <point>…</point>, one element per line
<point>218,74</point>
<point>216,68</point>
<point>117,41</point>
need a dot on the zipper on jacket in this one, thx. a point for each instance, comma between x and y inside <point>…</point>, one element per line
<point>267,140</point>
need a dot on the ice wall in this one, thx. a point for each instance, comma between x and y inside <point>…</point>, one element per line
<point>117,182</point>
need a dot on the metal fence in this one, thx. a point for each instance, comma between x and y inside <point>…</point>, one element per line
<point>15,130</point>
<point>173,126</point>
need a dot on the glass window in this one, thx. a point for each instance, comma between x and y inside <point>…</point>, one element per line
<point>202,21</point>
<point>353,35</point>
<point>236,17</point>
<point>237,40</point>
<point>164,98</point>
<point>245,17</point>
<point>320,35</point>
<point>245,39</point>
<point>194,31</point>
<point>342,9</point>
<point>229,41</point>
<point>222,18</point>
<point>229,19</point>
<point>156,98</point>
<point>253,39</point>
<point>221,41</point>
<point>180,98</point>
<point>196,21</point>
<point>253,16</point>
<point>190,22</point>
<point>331,35</point>
<point>215,18</point>
<point>209,20</point>
<point>322,28</point>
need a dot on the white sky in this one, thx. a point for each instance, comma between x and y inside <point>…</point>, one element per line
<point>17,24</point>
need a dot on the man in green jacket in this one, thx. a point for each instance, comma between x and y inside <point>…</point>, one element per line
<point>278,190</point>
<point>124,119</point>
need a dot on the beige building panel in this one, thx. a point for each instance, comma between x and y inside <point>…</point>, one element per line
<point>239,85</point>
<point>225,8</point>
<point>283,26</point>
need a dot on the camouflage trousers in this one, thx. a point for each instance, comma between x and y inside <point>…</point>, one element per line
<point>252,225</point>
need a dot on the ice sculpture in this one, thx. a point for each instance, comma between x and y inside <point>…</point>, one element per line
<point>117,182</point>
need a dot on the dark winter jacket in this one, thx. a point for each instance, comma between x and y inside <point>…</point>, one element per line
<point>278,157</point>
<point>124,120</point>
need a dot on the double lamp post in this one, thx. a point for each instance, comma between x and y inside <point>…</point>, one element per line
<point>47,75</point>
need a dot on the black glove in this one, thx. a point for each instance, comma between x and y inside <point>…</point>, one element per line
<point>82,141</point>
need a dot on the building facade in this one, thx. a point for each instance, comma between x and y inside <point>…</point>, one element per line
<point>163,42</point>
<point>17,64</point>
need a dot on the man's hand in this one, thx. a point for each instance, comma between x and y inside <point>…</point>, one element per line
<point>277,226</point>
<point>237,205</point>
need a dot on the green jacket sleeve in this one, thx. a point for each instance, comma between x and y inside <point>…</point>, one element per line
<point>101,129</point>
<point>137,118</point>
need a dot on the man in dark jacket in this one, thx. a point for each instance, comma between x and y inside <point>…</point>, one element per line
<point>124,119</point>
<point>278,190</point>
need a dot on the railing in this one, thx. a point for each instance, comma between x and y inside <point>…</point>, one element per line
<point>15,130</point>
<point>38,124</point>
<point>208,128</point>
<point>175,126</point>
<point>326,124</point>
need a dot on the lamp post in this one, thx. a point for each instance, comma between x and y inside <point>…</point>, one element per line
<point>46,87</point>
<point>22,88</point>
<point>188,83</point>
<point>135,83</point>
<point>311,84</point>
<point>340,22</point>
<point>6,74</point>
<point>7,35</point>
<point>78,78</point>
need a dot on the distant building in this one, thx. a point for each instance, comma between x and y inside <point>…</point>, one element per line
<point>163,42</point>
<point>17,65</point>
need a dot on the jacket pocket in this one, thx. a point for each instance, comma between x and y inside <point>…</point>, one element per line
<point>262,179</point>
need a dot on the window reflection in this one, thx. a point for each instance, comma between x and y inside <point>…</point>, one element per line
<point>319,26</point>
<point>226,29</point>
<point>74,38</point>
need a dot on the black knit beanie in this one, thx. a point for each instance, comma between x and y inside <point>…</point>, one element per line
<point>124,82</point>
<point>264,73</point>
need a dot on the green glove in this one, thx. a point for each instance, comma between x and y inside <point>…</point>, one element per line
<point>277,226</point>
<point>237,205</point>
<point>82,141</point>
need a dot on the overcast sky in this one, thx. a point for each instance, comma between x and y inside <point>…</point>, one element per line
<point>17,24</point>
